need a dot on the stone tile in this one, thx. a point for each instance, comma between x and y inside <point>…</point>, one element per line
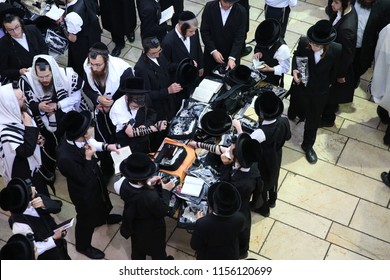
<point>133,55</point>
<point>170,225</point>
<point>287,243</point>
<point>361,111</point>
<point>119,248</point>
<point>361,91</point>
<point>363,133</point>
<point>359,242</point>
<point>337,253</point>
<point>179,255</point>
<point>364,159</point>
<point>308,13</point>
<point>257,3</point>
<point>298,27</point>
<point>254,13</point>
<point>291,39</point>
<point>300,219</point>
<point>196,7</point>
<point>180,240</point>
<point>321,3</point>
<point>5,232</point>
<point>341,178</point>
<point>260,229</point>
<point>254,256</point>
<point>372,219</point>
<point>318,198</point>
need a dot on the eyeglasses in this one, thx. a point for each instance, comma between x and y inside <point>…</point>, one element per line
<point>96,65</point>
<point>16,28</point>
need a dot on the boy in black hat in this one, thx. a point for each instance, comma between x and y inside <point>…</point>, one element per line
<point>76,160</point>
<point>273,50</point>
<point>30,214</point>
<point>145,207</point>
<point>133,116</point>
<point>272,133</point>
<point>215,236</point>
<point>18,247</point>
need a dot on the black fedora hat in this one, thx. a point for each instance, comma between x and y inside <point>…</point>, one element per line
<point>322,33</point>
<point>240,75</point>
<point>268,32</point>
<point>224,198</point>
<point>18,247</point>
<point>76,124</point>
<point>16,196</point>
<point>216,122</point>
<point>137,167</point>
<point>268,106</point>
<point>6,8</point>
<point>247,150</point>
<point>186,72</point>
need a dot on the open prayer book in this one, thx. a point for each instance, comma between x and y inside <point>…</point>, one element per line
<point>192,186</point>
<point>55,13</point>
<point>65,225</point>
<point>250,112</point>
<point>167,14</point>
<point>206,90</point>
<point>118,158</point>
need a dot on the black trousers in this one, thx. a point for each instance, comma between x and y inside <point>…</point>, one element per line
<point>280,14</point>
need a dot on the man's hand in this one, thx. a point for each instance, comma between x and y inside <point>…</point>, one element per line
<point>168,186</point>
<point>72,37</point>
<point>129,131</point>
<point>266,68</point>
<point>37,203</point>
<point>174,88</point>
<point>26,119</point>
<point>231,64</point>
<point>47,106</point>
<point>341,80</point>
<point>258,55</point>
<point>89,151</point>
<point>296,78</point>
<point>23,71</point>
<point>105,101</point>
<point>218,57</point>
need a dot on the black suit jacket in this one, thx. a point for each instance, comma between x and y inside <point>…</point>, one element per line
<point>228,39</point>
<point>149,12</point>
<point>13,56</point>
<point>175,50</point>
<point>157,80</point>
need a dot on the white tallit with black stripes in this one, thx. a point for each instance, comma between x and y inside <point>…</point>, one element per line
<point>12,134</point>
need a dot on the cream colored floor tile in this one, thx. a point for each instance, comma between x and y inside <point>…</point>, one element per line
<point>103,236</point>
<point>363,112</point>
<point>259,231</point>
<point>287,243</point>
<point>195,6</point>
<point>5,230</point>
<point>254,256</point>
<point>61,187</point>
<point>337,253</point>
<point>300,12</point>
<point>363,133</point>
<point>291,39</point>
<point>180,239</point>
<point>254,13</point>
<point>298,27</point>
<point>359,242</point>
<point>119,248</point>
<point>364,159</point>
<point>257,3</point>
<point>170,225</point>
<point>133,55</point>
<point>372,219</point>
<point>252,29</point>
<point>179,255</point>
<point>317,198</point>
<point>300,219</point>
<point>338,178</point>
<point>361,91</point>
<point>321,3</point>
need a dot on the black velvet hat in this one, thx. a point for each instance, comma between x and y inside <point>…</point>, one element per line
<point>224,199</point>
<point>16,196</point>
<point>137,167</point>
<point>216,122</point>
<point>240,75</point>
<point>247,150</point>
<point>132,86</point>
<point>18,247</point>
<point>186,72</point>
<point>76,124</point>
<point>6,8</point>
<point>322,33</point>
<point>268,106</point>
<point>268,32</point>
<point>99,46</point>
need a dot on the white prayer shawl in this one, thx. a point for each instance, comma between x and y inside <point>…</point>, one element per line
<point>380,87</point>
<point>116,67</point>
<point>12,134</point>
<point>64,87</point>
<point>120,114</point>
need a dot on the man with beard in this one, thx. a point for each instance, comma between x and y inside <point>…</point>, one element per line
<point>51,92</point>
<point>104,74</point>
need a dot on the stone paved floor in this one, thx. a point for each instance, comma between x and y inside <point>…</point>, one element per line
<point>336,209</point>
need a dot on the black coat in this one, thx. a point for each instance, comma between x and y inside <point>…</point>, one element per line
<point>228,39</point>
<point>216,238</point>
<point>149,12</point>
<point>157,80</point>
<point>85,183</point>
<point>13,56</point>
<point>346,29</point>
<point>143,218</point>
<point>119,16</point>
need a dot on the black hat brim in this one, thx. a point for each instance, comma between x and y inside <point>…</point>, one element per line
<point>321,41</point>
<point>210,199</point>
<point>186,72</point>
<point>271,40</point>
<point>269,116</point>
<point>212,131</point>
<point>133,176</point>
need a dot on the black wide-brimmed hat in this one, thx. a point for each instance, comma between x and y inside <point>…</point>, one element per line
<point>224,199</point>
<point>240,75</point>
<point>186,72</point>
<point>216,122</point>
<point>6,8</point>
<point>268,106</point>
<point>76,124</point>
<point>247,150</point>
<point>268,32</point>
<point>137,167</point>
<point>16,196</point>
<point>133,86</point>
<point>18,247</point>
<point>322,33</point>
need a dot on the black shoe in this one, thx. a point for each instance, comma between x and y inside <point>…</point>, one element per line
<point>385,178</point>
<point>169,257</point>
<point>326,124</point>
<point>117,50</point>
<point>131,37</point>
<point>271,204</point>
<point>92,253</point>
<point>246,51</point>
<point>114,219</point>
<point>383,115</point>
<point>291,116</point>
<point>311,155</point>
<point>243,256</point>
<point>263,210</point>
